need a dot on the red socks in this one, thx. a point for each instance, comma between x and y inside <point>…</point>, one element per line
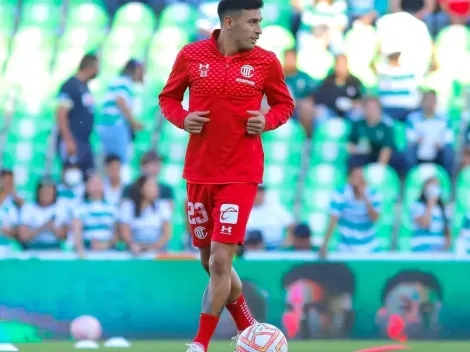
<point>207,325</point>
<point>241,313</point>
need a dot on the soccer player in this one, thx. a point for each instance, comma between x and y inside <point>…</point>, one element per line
<point>227,76</point>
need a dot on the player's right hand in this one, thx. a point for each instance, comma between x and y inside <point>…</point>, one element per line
<point>194,122</point>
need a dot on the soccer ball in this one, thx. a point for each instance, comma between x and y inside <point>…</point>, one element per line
<point>86,327</point>
<point>262,338</point>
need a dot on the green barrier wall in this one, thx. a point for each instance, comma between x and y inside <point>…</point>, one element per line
<point>153,299</point>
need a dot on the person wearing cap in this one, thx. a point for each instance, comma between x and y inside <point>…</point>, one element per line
<point>271,219</point>
<point>150,165</point>
<point>301,239</point>
<point>117,120</point>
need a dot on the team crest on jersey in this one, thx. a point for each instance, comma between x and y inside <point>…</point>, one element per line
<point>203,70</point>
<point>247,71</point>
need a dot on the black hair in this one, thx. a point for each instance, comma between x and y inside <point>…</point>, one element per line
<point>352,166</point>
<point>410,276</point>
<point>226,7</point>
<point>112,158</point>
<point>130,68</point>
<point>87,61</point>
<point>336,278</point>
<point>6,172</point>
<point>137,196</point>
<point>423,199</point>
<point>40,186</point>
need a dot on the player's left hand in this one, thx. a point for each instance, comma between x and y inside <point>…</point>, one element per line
<point>256,124</point>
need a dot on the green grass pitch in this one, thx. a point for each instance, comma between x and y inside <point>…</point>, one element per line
<point>222,346</point>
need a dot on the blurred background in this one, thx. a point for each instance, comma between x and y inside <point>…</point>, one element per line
<point>374,167</point>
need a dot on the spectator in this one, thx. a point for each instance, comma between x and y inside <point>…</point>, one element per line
<point>150,166</point>
<point>254,241</point>
<point>144,219</point>
<point>329,13</point>
<point>398,87</point>
<point>70,191</point>
<point>7,185</point>
<point>118,122</point>
<point>371,139</point>
<point>457,10</point>
<point>43,224</point>
<point>75,115</point>
<point>301,239</point>
<point>430,224</point>
<point>271,219</point>
<point>94,222</point>
<point>340,91</point>
<point>363,11</point>
<point>355,209</point>
<point>9,212</point>
<point>429,136</point>
<point>113,184</point>
<point>301,87</point>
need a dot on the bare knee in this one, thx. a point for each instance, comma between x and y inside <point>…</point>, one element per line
<point>220,264</point>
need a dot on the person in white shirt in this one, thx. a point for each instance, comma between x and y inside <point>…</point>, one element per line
<point>271,219</point>
<point>113,184</point>
<point>43,223</point>
<point>144,218</point>
<point>95,220</point>
<point>429,136</point>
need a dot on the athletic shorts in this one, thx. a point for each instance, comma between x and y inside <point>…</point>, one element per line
<point>219,213</point>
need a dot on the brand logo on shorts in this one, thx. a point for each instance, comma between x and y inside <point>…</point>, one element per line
<point>200,232</point>
<point>226,230</point>
<point>229,214</point>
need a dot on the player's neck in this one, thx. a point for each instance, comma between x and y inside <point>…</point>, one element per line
<point>81,76</point>
<point>225,45</point>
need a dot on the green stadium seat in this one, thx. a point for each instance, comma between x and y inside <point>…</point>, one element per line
<point>333,130</point>
<point>4,51</point>
<point>180,15</point>
<point>290,131</point>
<point>462,189</point>
<point>277,39</point>
<point>385,180</point>
<point>136,16</point>
<point>82,38</point>
<point>319,68</point>
<point>277,13</point>
<point>452,51</point>
<point>43,14</point>
<point>8,15</point>
<point>171,175</point>
<point>126,37</point>
<point>399,135</point>
<point>329,152</point>
<point>88,15</point>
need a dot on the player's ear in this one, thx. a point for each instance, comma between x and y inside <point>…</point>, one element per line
<point>228,22</point>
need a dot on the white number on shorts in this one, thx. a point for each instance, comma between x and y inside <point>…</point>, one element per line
<point>201,217</point>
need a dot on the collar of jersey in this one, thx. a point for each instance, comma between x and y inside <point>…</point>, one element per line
<point>215,35</point>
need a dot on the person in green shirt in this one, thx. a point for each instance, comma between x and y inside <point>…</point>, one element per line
<point>301,87</point>
<point>371,139</point>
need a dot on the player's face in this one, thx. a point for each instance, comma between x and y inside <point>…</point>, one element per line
<point>246,29</point>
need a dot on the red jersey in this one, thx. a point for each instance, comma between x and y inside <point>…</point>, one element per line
<point>226,87</point>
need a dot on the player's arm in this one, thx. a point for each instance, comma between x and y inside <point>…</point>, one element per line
<point>279,98</point>
<point>65,104</point>
<point>172,95</point>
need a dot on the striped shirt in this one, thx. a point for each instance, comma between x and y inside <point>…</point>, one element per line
<point>398,88</point>
<point>70,198</point>
<point>357,232</point>
<point>465,232</point>
<point>428,239</point>
<point>148,227</point>
<point>34,216</point>
<point>122,87</point>
<point>9,217</point>
<point>98,219</point>
<point>431,130</point>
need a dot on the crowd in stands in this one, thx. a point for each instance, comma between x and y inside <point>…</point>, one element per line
<point>373,68</point>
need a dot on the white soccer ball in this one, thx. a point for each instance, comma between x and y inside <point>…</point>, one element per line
<point>86,327</point>
<point>262,337</point>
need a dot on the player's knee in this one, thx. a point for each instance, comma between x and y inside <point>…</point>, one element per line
<point>220,265</point>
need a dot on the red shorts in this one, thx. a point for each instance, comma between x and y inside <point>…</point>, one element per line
<point>219,212</point>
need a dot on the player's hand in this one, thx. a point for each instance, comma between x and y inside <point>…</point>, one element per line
<point>71,147</point>
<point>194,122</point>
<point>256,124</point>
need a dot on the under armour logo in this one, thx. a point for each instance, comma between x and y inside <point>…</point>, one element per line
<point>227,230</point>
<point>203,69</point>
